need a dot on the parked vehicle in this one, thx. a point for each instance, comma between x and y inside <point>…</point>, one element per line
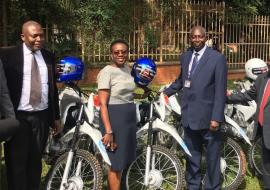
<point>69,108</point>
<point>233,160</point>
<point>155,167</point>
<point>75,168</point>
<point>244,116</point>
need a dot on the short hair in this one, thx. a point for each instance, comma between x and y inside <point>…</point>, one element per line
<point>121,41</point>
<point>198,27</point>
<point>29,23</point>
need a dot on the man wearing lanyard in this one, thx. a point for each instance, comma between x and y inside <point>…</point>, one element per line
<point>203,79</point>
<point>259,92</point>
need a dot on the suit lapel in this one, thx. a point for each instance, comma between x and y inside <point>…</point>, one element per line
<point>202,63</point>
<point>48,64</point>
<point>261,89</point>
<point>50,73</point>
<point>187,62</point>
<point>265,82</point>
<point>19,60</point>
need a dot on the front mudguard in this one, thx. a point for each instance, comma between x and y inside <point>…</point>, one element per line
<point>238,129</point>
<point>94,134</point>
<point>159,125</point>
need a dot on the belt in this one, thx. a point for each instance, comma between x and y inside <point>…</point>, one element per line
<point>31,112</point>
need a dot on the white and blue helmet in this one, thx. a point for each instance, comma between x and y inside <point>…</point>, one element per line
<point>143,70</point>
<point>70,69</point>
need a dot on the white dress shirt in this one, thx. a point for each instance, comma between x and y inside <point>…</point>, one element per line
<point>26,88</point>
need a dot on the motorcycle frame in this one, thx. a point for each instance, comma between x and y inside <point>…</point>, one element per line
<point>82,127</point>
<point>153,126</point>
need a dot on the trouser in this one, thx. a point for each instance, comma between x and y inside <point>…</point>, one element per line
<point>266,167</point>
<point>23,153</point>
<point>195,140</point>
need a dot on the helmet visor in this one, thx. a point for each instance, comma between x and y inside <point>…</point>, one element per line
<point>259,70</point>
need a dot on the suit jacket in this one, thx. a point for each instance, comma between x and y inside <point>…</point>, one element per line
<point>205,99</point>
<point>6,107</point>
<point>13,58</point>
<point>256,93</point>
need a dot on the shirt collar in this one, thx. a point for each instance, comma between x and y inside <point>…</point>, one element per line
<point>201,51</point>
<point>27,51</point>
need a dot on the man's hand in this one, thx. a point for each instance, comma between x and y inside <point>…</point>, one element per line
<point>166,98</point>
<point>214,126</point>
<point>229,92</point>
<point>57,128</point>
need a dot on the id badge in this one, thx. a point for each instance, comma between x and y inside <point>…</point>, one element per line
<point>187,83</point>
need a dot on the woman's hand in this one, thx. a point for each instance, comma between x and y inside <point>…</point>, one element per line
<point>107,139</point>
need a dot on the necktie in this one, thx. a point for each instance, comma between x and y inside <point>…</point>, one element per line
<point>194,64</point>
<point>35,92</point>
<point>265,97</point>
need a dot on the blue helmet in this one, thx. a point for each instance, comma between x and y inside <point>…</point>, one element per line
<point>143,70</point>
<point>70,69</point>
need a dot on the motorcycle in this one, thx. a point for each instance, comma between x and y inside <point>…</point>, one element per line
<point>233,161</point>
<point>155,167</point>
<point>244,116</point>
<point>76,168</point>
<point>147,126</point>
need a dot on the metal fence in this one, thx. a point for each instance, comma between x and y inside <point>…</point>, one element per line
<point>165,36</point>
<point>248,38</point>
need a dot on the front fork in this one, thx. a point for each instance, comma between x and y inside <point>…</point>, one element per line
<point>64,182</point>
<point>151,138</point>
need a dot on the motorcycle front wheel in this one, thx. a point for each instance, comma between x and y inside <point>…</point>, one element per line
<point>166,171</point>
<point>90,173</point>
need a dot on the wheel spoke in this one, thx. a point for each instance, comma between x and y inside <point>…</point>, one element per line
<point>89,173</point>
<point>165,171</point>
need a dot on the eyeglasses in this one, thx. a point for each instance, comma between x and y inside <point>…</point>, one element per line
<point>123,52</point>
<point>197,36</point>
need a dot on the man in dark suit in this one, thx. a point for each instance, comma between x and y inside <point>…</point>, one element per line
<point>30,73</point>
<point>260,92</point>
<point>203,79</point>
<point>8,123</point>
<point>6,108</point>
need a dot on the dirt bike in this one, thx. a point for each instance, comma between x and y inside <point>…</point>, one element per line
<point>155,166</point>
<point>233,160</point>
<point>244,116</point>
<point>76,168</point>
<point>69,109</point>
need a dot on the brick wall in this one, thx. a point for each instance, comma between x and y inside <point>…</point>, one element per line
<point>166,73</point>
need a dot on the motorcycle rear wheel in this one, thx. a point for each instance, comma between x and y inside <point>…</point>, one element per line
<point>233,164</point>
<point>255,157</point>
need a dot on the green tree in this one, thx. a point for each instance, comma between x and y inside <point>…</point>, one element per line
<point>246,7</point>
